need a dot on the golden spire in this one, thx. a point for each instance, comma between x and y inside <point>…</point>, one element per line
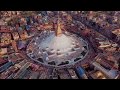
<point>58,31</point>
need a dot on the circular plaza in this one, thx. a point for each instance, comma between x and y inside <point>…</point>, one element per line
<point>49,49</point>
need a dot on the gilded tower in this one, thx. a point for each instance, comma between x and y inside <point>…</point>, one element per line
<point>58,30</point>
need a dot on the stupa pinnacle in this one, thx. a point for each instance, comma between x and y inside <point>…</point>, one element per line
<point>58,31</point>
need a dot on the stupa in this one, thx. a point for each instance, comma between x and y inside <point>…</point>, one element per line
<point>57,48</point>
